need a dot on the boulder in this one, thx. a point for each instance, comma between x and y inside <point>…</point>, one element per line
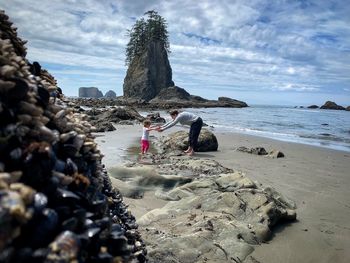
<point>90,92</point>
<point>110,94</point>
<point>103,126</point>
<point>174,93</point>
<point>313,107</point>
<point>347,108</point>
<point>330,105</point>
<point>179,141</point>
<point>148,73</point>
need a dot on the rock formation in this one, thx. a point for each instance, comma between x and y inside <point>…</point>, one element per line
<point>213,214</point>
<point>330,105</point>
<point>110,94</point>
<point>90,92</point>
<point>174,93</point>
<point>57,203</point>
<point>148,73</point>
<point>232,102</point>
<point>261,151</point>
<point>102,119</point>
<point>179,141</point>
<point>313,107</point>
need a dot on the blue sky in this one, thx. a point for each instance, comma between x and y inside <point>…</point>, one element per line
<point>287,52</point>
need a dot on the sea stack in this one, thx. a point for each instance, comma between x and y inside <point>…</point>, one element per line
<point>148,73</point>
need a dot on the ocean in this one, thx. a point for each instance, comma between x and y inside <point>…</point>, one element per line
<point>325,128</point>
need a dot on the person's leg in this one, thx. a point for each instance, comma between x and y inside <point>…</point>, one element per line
<point>190,135</point>
<point>143,146</point>
<point>146,146</point>
<point>196,129</point>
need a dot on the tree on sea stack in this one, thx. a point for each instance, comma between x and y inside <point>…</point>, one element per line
<point>146,53</point>
<point>144,32</point>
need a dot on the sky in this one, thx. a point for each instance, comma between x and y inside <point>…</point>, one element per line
<point>281,52</point>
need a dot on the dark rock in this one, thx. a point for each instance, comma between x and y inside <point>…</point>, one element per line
<point>103,126</point>
<point>179,141</point>
<point>90,92</point>
<point>347,108</point>
<point>232,102</point>
<point>255,150</point>
<point>110,94</point>
<point>52,176</point>
<point>313,107</point>
<point>174,93</point>
<point>155,118</point>
<point>148,73</point>
<point>275,154</point>
<point>330,105</point>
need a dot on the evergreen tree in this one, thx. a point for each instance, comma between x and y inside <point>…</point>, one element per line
<point>143,32</point>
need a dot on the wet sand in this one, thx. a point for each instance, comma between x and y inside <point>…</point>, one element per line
<point>317,179</point>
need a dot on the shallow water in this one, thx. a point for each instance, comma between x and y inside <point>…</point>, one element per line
<point>325,128</point>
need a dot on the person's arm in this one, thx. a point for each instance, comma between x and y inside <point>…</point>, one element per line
<point>170,123</point>
<point>152,128</point>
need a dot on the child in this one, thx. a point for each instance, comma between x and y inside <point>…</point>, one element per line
<point>145,134</point>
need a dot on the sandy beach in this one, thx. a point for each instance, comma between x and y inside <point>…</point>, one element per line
<point>315,178</point>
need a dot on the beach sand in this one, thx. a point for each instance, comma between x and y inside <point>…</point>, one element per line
<point>317,179</point>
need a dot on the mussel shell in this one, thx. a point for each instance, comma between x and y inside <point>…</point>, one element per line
<point>40,202</point>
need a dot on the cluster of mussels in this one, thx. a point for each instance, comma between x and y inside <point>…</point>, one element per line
<point>56,199</point>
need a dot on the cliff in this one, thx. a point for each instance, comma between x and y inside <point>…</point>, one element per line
<point>90,92</point>
<point>148,74</point>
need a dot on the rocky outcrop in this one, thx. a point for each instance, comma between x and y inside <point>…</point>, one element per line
<point>261,151</point>
<point>232,102</point>
<point>313,107</point>
<point>222,218</point>
<point>179,141</point>
<point>102,119</point>
<point>90,92</point>
<point>155,118</point>
<point>174,93</point>
<point>330,105</point>
<point>9,32</point>
<point>148,73</point>
<point>57,203</point>
<point>110,94</point>
<point>347,108</point>
<point>213,214</point>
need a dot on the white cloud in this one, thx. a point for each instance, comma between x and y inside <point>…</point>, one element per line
<point>288,46</point>
<point>295,87</point>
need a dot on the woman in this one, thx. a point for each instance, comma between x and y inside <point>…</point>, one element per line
<point>186,118</point>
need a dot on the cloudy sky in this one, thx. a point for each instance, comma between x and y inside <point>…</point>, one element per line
<point>286,52</point>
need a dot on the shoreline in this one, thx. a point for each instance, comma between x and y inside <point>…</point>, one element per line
<point>314,177</point>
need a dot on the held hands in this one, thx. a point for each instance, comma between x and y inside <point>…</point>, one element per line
<point>159,129</point>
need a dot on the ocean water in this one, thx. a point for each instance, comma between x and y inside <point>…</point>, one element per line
<point>325,128</point>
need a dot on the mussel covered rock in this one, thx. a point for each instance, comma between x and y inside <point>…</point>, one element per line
<point>57,203</point>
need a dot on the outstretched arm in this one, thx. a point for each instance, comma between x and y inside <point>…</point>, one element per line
<point>170,124</point>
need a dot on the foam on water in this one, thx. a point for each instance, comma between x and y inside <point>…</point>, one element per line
<point>325,128</point>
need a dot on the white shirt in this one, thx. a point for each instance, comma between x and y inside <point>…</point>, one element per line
<point>145,134</point>
<point>185,118</point>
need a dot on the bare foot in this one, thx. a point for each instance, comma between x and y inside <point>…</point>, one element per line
<point>190,153</point>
